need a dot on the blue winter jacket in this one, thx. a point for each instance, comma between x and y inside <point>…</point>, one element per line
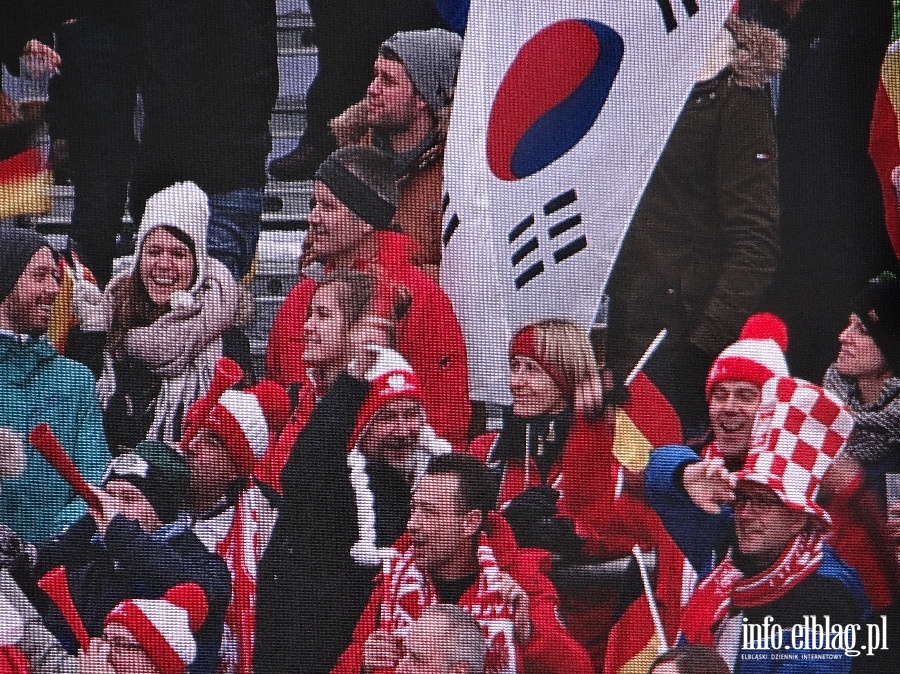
<point>834,589</point>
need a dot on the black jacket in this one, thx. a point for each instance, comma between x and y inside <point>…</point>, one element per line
<point>209,83</point>
<point>833,232</point>
<point>701,249</point>
<point>127,563</point>
<point>310,591</point>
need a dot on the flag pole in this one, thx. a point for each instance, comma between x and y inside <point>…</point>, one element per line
<point>651,599</point>
<point>654,345</point>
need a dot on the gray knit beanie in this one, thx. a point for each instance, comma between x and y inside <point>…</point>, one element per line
<point>17,247</point>
<point>431,57</point>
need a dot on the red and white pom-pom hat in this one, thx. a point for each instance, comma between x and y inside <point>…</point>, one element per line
<point>799,429</point>
<point>756,357</point>
<point>390,378</point>
<point>248,421</point>
<point>165,627</point>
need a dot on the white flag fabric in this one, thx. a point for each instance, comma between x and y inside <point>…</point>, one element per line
<point>562,109</point>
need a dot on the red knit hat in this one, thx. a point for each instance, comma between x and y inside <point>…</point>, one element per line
<point>799,430</point>
<point>756,357</point>
<point>248,421</point>
<point>390,378</point>
<point>525,344</point>
<point>165,627</point>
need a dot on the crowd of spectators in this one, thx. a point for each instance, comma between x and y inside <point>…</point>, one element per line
<point>166,509</point>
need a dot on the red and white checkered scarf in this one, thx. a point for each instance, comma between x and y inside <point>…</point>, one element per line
<point>409,591</point>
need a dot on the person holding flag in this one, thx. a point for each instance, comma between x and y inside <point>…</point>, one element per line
<point>700,268</point>
<point>565,456</point>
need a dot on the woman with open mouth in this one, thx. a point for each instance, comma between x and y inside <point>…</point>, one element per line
<point>161,325</point>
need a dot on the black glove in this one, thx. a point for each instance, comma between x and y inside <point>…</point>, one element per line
<point>556,534</point>
<point>530,506</point>
<point>14,551</point>
<point>679,369</point>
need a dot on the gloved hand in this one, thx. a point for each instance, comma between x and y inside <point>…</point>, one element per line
<point>679,369</point>
<point>555,534</point>
<point>530,506</point>
<point>92,312</point>
<point>14,551</point>
<point>182,304</point>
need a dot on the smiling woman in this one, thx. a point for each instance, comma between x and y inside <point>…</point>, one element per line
<point>163,323</point>
<point>866,376</point>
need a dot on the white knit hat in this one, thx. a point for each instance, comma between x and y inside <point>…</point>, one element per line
<point>165,627</point>
<point>756,357</point>
<point>185,207</point>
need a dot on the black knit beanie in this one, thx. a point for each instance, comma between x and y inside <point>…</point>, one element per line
<point>361,177</point>
<point>17,247</point>
<point>159,472</point>
<point>878,307</point>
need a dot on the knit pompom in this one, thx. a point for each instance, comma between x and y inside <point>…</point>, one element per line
<point>766,326</point>
<point>192,599</point>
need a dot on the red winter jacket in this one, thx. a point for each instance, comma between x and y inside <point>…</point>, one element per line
<point>429,337</point>
<point>550,650</point>
<point>587,473</point>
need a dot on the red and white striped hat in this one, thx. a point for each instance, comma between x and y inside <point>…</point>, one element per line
<point>246,420</point>
<point>165,627</point>
<point>799,430</point>
<point>756,357</point>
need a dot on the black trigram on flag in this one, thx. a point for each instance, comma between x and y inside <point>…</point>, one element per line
<point>560,226</point>
<point>665,6</point>
<point>453,223</point>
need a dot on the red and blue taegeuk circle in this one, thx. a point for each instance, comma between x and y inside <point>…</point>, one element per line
<point>551,95</point>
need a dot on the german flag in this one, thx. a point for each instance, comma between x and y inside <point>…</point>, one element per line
<point>25,180</point>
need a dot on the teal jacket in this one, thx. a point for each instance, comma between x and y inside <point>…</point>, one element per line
<point>37,384</point>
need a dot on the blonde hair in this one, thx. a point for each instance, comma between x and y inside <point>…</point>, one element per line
<point>562,348</point>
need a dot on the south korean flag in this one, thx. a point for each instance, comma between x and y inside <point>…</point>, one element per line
<point>562,109</point>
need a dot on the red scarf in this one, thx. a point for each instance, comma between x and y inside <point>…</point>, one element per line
<point>268,468</point>
<point>726,586</point>
<point>408,592</point>
<point>12,661</point>
<point>242,548</point>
